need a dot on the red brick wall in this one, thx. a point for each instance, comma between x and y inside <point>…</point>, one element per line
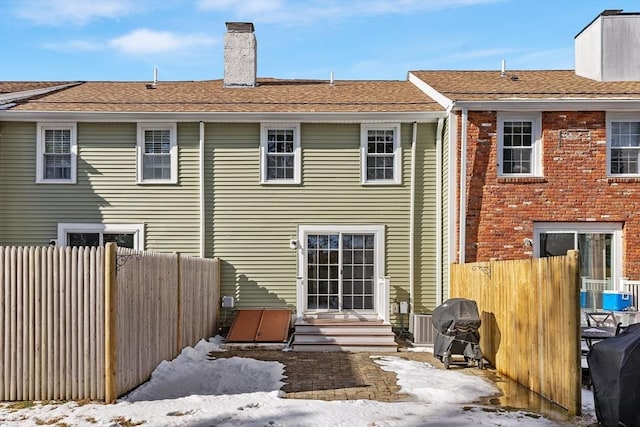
<point>501,211</point>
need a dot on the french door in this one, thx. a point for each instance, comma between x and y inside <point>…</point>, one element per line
<point>340,268</point>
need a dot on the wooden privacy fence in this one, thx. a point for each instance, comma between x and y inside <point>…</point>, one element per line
<point>93,323</point>
<point>530,321</point>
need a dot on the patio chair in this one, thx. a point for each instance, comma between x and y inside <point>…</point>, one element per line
<point>601,319</point>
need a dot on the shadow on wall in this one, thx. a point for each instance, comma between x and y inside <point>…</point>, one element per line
<point>246,294</point>
<point>490,336</point>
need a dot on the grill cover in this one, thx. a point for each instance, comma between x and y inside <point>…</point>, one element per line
<point>614,364</point>
<point>455,316</point>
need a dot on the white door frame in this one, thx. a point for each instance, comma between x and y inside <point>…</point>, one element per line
<point>379,250</point>
<point>614,228</point>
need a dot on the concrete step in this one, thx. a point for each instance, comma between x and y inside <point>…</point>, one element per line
<point>340,334</point>
<point>344,339</point>
<point>343,329</point>
<point>353,348</point>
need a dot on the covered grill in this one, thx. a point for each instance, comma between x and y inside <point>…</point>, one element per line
<point>457,322</point>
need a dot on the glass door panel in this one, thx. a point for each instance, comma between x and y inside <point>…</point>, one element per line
<point>340,271</point>
<point>595,255</point>
<point>357,280</point>
<point>322,271</point>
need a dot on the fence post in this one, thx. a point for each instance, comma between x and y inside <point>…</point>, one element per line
<point>179,305</point>
<point>574,328</point>
<point>110,324</point>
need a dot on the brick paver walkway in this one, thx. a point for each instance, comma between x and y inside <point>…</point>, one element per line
<point>335,375</point>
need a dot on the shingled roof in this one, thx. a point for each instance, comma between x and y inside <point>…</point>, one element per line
<point>16,86</point>
<point>535,85</point>
<point>270,95</point>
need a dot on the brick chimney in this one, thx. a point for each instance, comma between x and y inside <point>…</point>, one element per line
<point>608,49</point>
<point>240,55</point>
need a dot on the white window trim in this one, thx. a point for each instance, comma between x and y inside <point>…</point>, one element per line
<point>618,117</point>
<point>173,152</point>
<point>297,161</point>
<point>303,230</point>
<point>536,148</point>
<point>136,229</point>
<point>41,128</point>
<point>397,154</point>
<point>585,227</point>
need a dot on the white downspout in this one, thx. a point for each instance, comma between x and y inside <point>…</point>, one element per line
<point>201,183</point>
<point>412,220</point>
<point>462,235</point>
<point>439,211</point>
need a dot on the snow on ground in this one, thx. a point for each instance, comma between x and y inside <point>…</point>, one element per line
<point>196,391</point>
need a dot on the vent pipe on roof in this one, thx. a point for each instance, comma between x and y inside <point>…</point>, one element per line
<point>240,55</point>
<point>503,69</point>
<point>331,79</point>
<point>155,79</point>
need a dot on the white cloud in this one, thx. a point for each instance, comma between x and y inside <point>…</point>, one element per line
<point>145,41</point>
<point>305,12</point>
<point>65,12</point>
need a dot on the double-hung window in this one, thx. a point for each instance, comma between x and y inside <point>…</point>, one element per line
<point>380,154</point>
<point>519,145</point>
<point>157,153</point>
<point>56,153</point>
<point>280,154</point>
<point>623,145</point>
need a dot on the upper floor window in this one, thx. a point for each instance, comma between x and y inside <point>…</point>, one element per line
<point>623,145</point>
<point>380,154</point>
<point>280,154</point>
<point>519,145</point>
<point>157,153</point>
<point>56,153</point>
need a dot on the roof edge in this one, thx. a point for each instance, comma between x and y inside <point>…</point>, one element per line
<point>218,117</point>
<point>573,104</point>
<point>430,91</point>
<point>24,94</point>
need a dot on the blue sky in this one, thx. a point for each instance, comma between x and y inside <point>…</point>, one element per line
<point>356,39</point>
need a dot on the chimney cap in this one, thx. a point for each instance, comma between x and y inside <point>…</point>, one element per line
<point>240,27</point>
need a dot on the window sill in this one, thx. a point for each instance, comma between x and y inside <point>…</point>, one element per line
<point>625,179</point>
<point>380,183</point>
<point>54,181</point>
<point>521,180</point>
<point>168,182</point>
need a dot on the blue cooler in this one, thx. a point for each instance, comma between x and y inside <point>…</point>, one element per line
<point>616,301</point>
<point>583,299</point>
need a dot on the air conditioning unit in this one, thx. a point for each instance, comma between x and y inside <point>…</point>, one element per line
<point>422,329</point>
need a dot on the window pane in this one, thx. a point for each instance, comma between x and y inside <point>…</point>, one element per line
<point>83,239</point>
<point>157,141</point>
<point>124,240</point>
<point>157,166</point>
<point>556,244</point>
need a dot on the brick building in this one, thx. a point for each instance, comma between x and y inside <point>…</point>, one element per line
<point>551,159</point>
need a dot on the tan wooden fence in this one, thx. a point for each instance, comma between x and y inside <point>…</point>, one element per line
<point>530,321</point>
<point>93,323</point>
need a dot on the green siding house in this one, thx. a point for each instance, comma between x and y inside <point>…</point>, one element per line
<point>317,196</point>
